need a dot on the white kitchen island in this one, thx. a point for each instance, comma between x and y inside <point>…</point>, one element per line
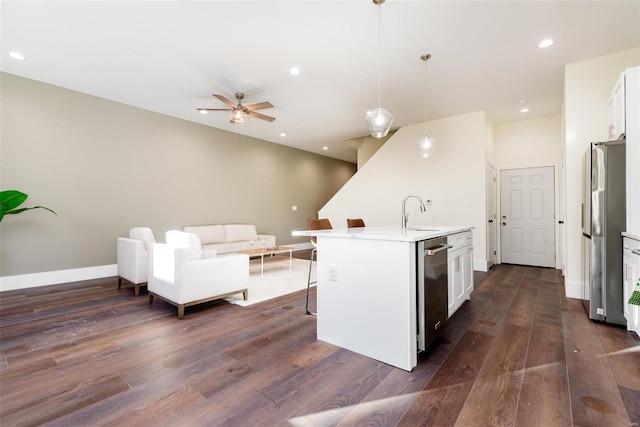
<point>367,289</point>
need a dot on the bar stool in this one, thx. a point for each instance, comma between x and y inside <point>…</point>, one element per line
<point>315,224</point>
<point>355,222</point>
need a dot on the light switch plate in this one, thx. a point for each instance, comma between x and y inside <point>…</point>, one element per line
<point>333,273</point>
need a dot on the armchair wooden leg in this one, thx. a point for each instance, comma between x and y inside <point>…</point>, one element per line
<point>119,282</point>
<point>150,298</point>
<point>136,292</point>
<point>245,294</point>
<point>180,311</point>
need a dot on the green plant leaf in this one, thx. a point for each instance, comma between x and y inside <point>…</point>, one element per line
<point>17,211</point>
<point>11,199</point>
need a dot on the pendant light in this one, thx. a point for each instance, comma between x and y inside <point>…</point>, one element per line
<point>426,144</point>
<point>379,119</point>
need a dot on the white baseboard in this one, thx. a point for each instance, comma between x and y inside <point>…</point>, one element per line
<point>480,265</point>
<point>575,289</point>
<point>24,281</point>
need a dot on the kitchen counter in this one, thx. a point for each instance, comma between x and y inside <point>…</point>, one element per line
<point>631,236</point>
<point>367,289</point>
<point>391,233</point>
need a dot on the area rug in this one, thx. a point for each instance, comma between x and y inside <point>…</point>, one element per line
<point>276,281</point>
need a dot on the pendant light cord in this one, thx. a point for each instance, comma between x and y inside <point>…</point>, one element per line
<point>425,92</point>
<point>426,57</point>
<point>379,51</point>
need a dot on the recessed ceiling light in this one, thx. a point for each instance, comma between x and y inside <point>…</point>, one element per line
<point>325,148</point>
<point>203,111</point>
<point>283,134</point>
<point>16,55</point>
<point>294,71</point>
<point>545,43</point>
<point>524,110</point>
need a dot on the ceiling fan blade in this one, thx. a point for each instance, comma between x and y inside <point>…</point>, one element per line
<point>258,106</point>
<point>214,109</point>
<point>261,116</point>
<point>225,100</point>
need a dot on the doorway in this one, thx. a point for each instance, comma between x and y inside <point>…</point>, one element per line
<point>492,219</point>
<point>527,216</point>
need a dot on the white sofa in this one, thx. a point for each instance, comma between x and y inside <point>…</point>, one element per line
<point>184,275</point>
<point>225,238</point>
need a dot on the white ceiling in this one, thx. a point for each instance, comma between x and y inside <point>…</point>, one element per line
<point>169,57</point>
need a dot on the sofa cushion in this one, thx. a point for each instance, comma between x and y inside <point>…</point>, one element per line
<point>240,232</point>
<point>208,233</point>
<point>143,233</point>
<point>223,248</point>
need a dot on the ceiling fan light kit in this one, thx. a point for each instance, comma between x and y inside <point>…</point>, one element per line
<point>379,119</point>
<point>426,144</point>
<point>238,116</point>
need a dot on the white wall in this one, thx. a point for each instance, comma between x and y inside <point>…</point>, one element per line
<point>527,144</point>
<point>453,178</point>
<point>587,87</point>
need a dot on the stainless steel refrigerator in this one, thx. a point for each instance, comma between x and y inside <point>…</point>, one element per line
<point>603,219</point>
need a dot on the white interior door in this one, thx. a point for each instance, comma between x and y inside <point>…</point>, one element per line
<point>492,219</point>
<point>527,216</point>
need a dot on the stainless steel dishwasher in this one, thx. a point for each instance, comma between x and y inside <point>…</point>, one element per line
<point>432,289</point>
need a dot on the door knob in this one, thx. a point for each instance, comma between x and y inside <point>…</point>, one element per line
<point>504,223</point>
<point>490,220</point>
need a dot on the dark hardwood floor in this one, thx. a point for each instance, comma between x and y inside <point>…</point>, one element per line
<point>519,353</point>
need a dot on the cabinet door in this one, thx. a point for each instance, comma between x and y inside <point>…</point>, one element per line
<point>611,117</point>
<point>459,284</point>
<point>467,264</point>
<point>627,275</point>
<point>633,323</point>
<point>450,284</point>
<point>455,281</point>
<point>616,109</point>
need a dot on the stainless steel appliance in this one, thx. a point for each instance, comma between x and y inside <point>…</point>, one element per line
<point>603,219</point>
<point>432,289</point>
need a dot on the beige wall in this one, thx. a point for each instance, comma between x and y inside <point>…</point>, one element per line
<point>453,178</point>
<point>527,144</point>
<point>587,87</point>
<point>105,167</point>
<point>368,147</point>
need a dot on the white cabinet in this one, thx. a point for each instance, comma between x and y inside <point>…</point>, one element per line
<point>460,270</point>
<point>631,276</point>
<point>616,109</point>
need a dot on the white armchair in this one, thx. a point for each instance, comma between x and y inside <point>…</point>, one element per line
<point>133,257</point>
<point>184,275</point>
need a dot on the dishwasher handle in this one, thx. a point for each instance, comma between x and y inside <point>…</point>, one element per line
<point>442,247</point>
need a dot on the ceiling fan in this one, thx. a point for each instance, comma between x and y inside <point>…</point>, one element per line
<point>239,112</point>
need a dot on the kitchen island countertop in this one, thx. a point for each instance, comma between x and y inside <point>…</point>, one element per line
<point>392,233</point>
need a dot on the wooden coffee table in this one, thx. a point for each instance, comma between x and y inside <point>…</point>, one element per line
<point>269,251</point>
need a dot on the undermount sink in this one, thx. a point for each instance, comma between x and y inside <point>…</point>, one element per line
<point>423,229</point>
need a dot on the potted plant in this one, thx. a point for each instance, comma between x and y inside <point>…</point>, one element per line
<point>11,199</point>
